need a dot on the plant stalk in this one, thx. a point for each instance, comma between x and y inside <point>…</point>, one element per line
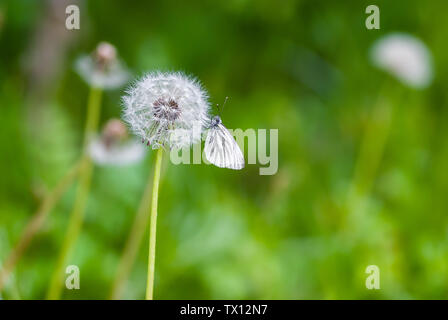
<point>153,226</point>
<point>77,215</point>
<point>36,223</point>
<point>133,242</point>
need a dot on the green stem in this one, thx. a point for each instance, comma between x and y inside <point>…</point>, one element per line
<point>371,152</point>
<point>77,215</point>
<point>36,223</point>
<point>93,115</point>
<point>153,226</point>
<point>133,242</point>
<point>372,149</point>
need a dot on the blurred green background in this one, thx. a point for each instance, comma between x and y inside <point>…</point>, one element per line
<point>300,66</point>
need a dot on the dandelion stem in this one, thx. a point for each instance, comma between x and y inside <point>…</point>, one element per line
<point>371,149</point>
<point>371,153</point>
<point>153,226</point>
<point>133,242</point>
<point>36,223</point>
<point>77,215</point>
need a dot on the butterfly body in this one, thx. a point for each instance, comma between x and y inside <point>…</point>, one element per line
<point>221,148</point>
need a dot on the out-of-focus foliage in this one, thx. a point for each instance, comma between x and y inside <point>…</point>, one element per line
<point>300,66</point>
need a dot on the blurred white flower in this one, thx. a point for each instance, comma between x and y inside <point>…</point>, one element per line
<point>102,69</point>
<point>405,57</point>
<point>167,109</point>
<point>114,147</point>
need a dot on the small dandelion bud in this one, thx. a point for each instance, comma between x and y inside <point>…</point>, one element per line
<point>405,57</point>
<point>114,132</point>
<point>166,110</point>
<point>114,147</point>
<point>102,69</point>
<point>105,55</point>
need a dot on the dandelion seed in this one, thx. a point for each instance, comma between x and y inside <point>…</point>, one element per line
<point>102,69</point>
<point>167,110</point>
<point>114,147</point>
<point>405,57</point>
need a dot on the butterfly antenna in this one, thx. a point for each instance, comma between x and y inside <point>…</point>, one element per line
<point>222,108</point>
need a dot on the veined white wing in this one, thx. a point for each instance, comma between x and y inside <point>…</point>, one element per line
<point>222,150</point>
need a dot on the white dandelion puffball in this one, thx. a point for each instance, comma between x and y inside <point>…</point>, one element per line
<point>127,153</point>
<point>114,148</point>
<point>405,57</point>
<point>102,69</point>
<point>167,109</point>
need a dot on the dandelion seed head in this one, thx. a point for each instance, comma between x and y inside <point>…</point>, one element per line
<point>114,147</point>
<point>405,57</point>
<point>166,109</point>
<point>102,69</point>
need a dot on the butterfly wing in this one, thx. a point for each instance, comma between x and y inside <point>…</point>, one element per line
<point>222,150</point>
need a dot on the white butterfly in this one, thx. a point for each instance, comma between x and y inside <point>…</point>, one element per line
<point>221,148</point>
